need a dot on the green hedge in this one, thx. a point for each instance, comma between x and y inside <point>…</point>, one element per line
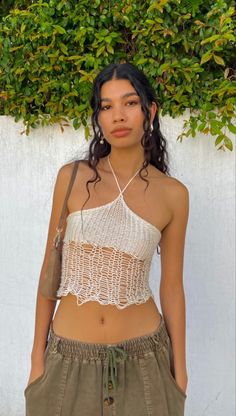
<point>51,52</point>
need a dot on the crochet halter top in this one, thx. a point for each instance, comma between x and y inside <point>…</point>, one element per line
<point>107,254</point>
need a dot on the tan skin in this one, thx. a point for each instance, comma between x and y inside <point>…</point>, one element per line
<point>164,204</point>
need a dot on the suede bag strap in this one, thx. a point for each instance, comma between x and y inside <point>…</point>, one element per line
<point>62,217</point>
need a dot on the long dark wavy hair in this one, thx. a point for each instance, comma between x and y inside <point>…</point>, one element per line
<point>153,142</point>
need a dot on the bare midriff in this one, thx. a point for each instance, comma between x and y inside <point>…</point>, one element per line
<point>96,323</point>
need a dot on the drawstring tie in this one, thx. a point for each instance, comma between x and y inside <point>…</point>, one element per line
<point>113,353</point>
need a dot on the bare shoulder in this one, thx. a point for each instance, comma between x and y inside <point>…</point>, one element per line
<point>177,197</point>
<point>175,187</point>
<point>65,172</point>
<point>170,195</point>
<point>61,185</point>
<point>170,185</point>
<point>175,191</point>
<point>67,168</point>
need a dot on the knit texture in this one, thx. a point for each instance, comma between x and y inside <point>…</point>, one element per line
<point>107,255</point>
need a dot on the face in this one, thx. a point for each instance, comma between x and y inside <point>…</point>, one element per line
<point>121,116</point>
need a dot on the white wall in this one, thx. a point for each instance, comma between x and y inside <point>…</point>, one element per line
<point>27,173</point>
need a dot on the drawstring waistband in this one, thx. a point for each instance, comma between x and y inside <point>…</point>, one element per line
<point>113,358</point>
<point>112,354</point>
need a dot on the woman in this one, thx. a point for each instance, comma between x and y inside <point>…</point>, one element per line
<point>110,351</point>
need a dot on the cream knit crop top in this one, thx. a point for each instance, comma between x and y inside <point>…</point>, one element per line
<point>107,257</point>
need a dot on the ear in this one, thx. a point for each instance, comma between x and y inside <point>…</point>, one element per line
<point>153,110</point>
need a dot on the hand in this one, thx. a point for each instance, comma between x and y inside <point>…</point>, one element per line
<point>182,381</point>
<point>37,369</point>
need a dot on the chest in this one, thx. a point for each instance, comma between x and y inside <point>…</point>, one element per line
<point>113,225</point>
<point>147,203</point>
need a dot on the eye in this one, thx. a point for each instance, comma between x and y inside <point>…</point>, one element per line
<point>132,102</point>
<point>105,107</point>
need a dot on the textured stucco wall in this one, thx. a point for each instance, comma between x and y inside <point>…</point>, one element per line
<point>27,173</point>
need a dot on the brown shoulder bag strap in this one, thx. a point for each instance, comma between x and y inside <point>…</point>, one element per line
<point>59,229</point>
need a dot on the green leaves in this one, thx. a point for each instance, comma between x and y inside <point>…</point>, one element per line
<point>218,60</point>
<point>50,53</point>
<point>232,128</point>
<point>59,29</point>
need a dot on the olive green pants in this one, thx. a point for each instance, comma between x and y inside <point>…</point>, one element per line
<point>130,378</point>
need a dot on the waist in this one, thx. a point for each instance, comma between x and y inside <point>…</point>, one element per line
<point>88,350</point>
<point>93,322</point>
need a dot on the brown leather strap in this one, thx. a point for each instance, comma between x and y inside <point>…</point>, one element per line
<point>60,226</point>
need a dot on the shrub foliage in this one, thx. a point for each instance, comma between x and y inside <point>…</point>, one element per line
<point>51,52</point>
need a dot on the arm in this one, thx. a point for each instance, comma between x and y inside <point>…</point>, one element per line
<point>172,296</point>
<point>44,307</point>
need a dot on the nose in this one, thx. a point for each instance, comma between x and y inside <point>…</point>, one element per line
<point>118,115</point>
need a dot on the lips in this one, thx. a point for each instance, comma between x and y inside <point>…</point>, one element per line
<point>121,132</point>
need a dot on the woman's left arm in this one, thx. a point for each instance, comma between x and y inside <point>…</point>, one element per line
<point>172,296</point>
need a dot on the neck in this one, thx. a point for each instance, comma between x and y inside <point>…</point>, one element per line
<point>127,165</point>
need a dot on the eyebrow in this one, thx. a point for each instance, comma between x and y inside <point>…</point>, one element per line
<point>128,94</point>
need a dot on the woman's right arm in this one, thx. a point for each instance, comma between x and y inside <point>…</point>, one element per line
<point>44,307</point>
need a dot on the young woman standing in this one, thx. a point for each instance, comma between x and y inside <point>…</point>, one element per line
<point>109,350</point>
